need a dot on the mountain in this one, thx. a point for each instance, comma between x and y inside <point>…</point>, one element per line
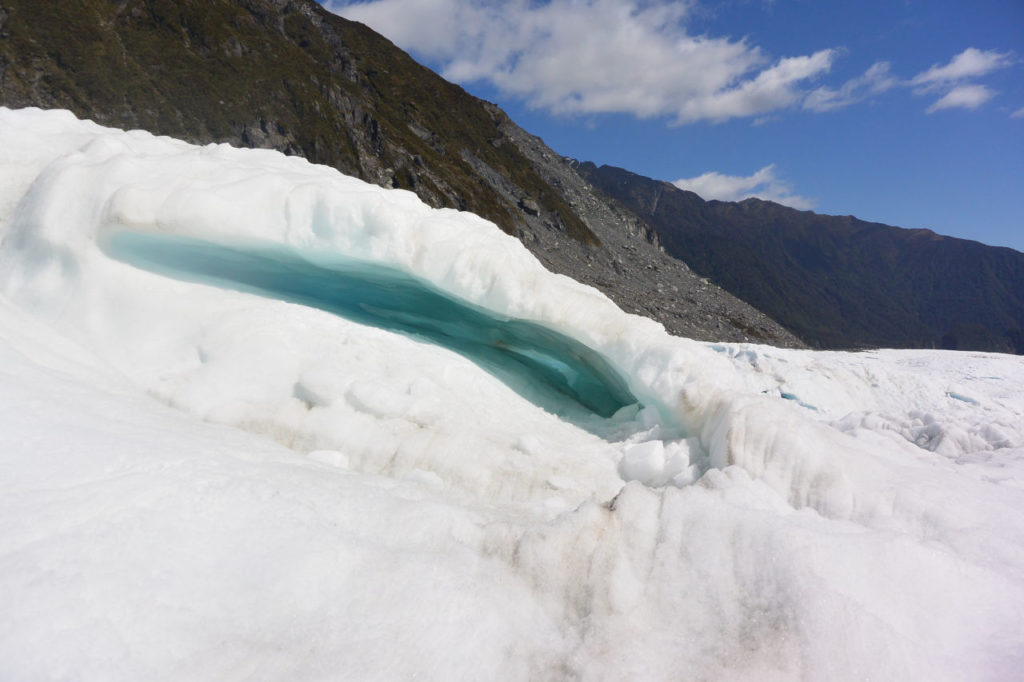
<point>288,75</point>
<point>836,281</point>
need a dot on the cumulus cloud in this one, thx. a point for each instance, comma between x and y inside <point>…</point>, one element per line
<point>875,80</point>
<point>595,56</point>
<point>764,184</point>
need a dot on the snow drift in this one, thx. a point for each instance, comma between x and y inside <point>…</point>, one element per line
<point>333,500</point>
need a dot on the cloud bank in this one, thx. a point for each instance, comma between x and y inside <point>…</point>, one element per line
<point>595,56</point>
<point>764,184</point>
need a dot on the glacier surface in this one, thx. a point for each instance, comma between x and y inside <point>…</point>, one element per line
<point>210,476</point>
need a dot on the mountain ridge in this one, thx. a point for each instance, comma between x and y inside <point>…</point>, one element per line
<point>837,281</point>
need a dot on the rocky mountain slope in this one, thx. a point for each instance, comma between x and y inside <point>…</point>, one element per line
<point>288,75</point>
<point>836,281</point>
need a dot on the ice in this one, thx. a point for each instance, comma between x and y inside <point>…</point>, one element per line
<point>658,463</point>
<point>544,366</point>
<point>206,481</point>
<point>643,462</point>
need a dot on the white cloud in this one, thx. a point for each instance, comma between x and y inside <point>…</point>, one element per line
<point>594,56</point>
<point>773,89</point>
<point>1018,114</point>
<point>963,97</point>
<point>875,80</point>
<point>952,79</point>
<point>971,63</point>
<point>764,184</point>
<point>638,57</point>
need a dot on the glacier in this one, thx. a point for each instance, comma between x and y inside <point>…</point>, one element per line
<point>211,474</point>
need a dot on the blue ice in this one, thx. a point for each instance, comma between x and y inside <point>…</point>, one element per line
<point>548,368</point>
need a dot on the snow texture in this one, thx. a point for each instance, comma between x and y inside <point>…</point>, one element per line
<point>206,481</point>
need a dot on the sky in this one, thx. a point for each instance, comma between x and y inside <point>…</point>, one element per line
<point>905,112</point>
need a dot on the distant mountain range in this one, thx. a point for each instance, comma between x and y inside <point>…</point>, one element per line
<point>836,281</point>
<point>288,75</point>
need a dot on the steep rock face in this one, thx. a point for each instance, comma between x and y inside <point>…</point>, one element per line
<point>288,75</point>
<point>836,281</point>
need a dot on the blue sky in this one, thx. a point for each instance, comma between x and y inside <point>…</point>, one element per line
<point>909,112</point>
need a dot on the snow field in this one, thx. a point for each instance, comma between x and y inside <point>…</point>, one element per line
<point>332,501</point>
